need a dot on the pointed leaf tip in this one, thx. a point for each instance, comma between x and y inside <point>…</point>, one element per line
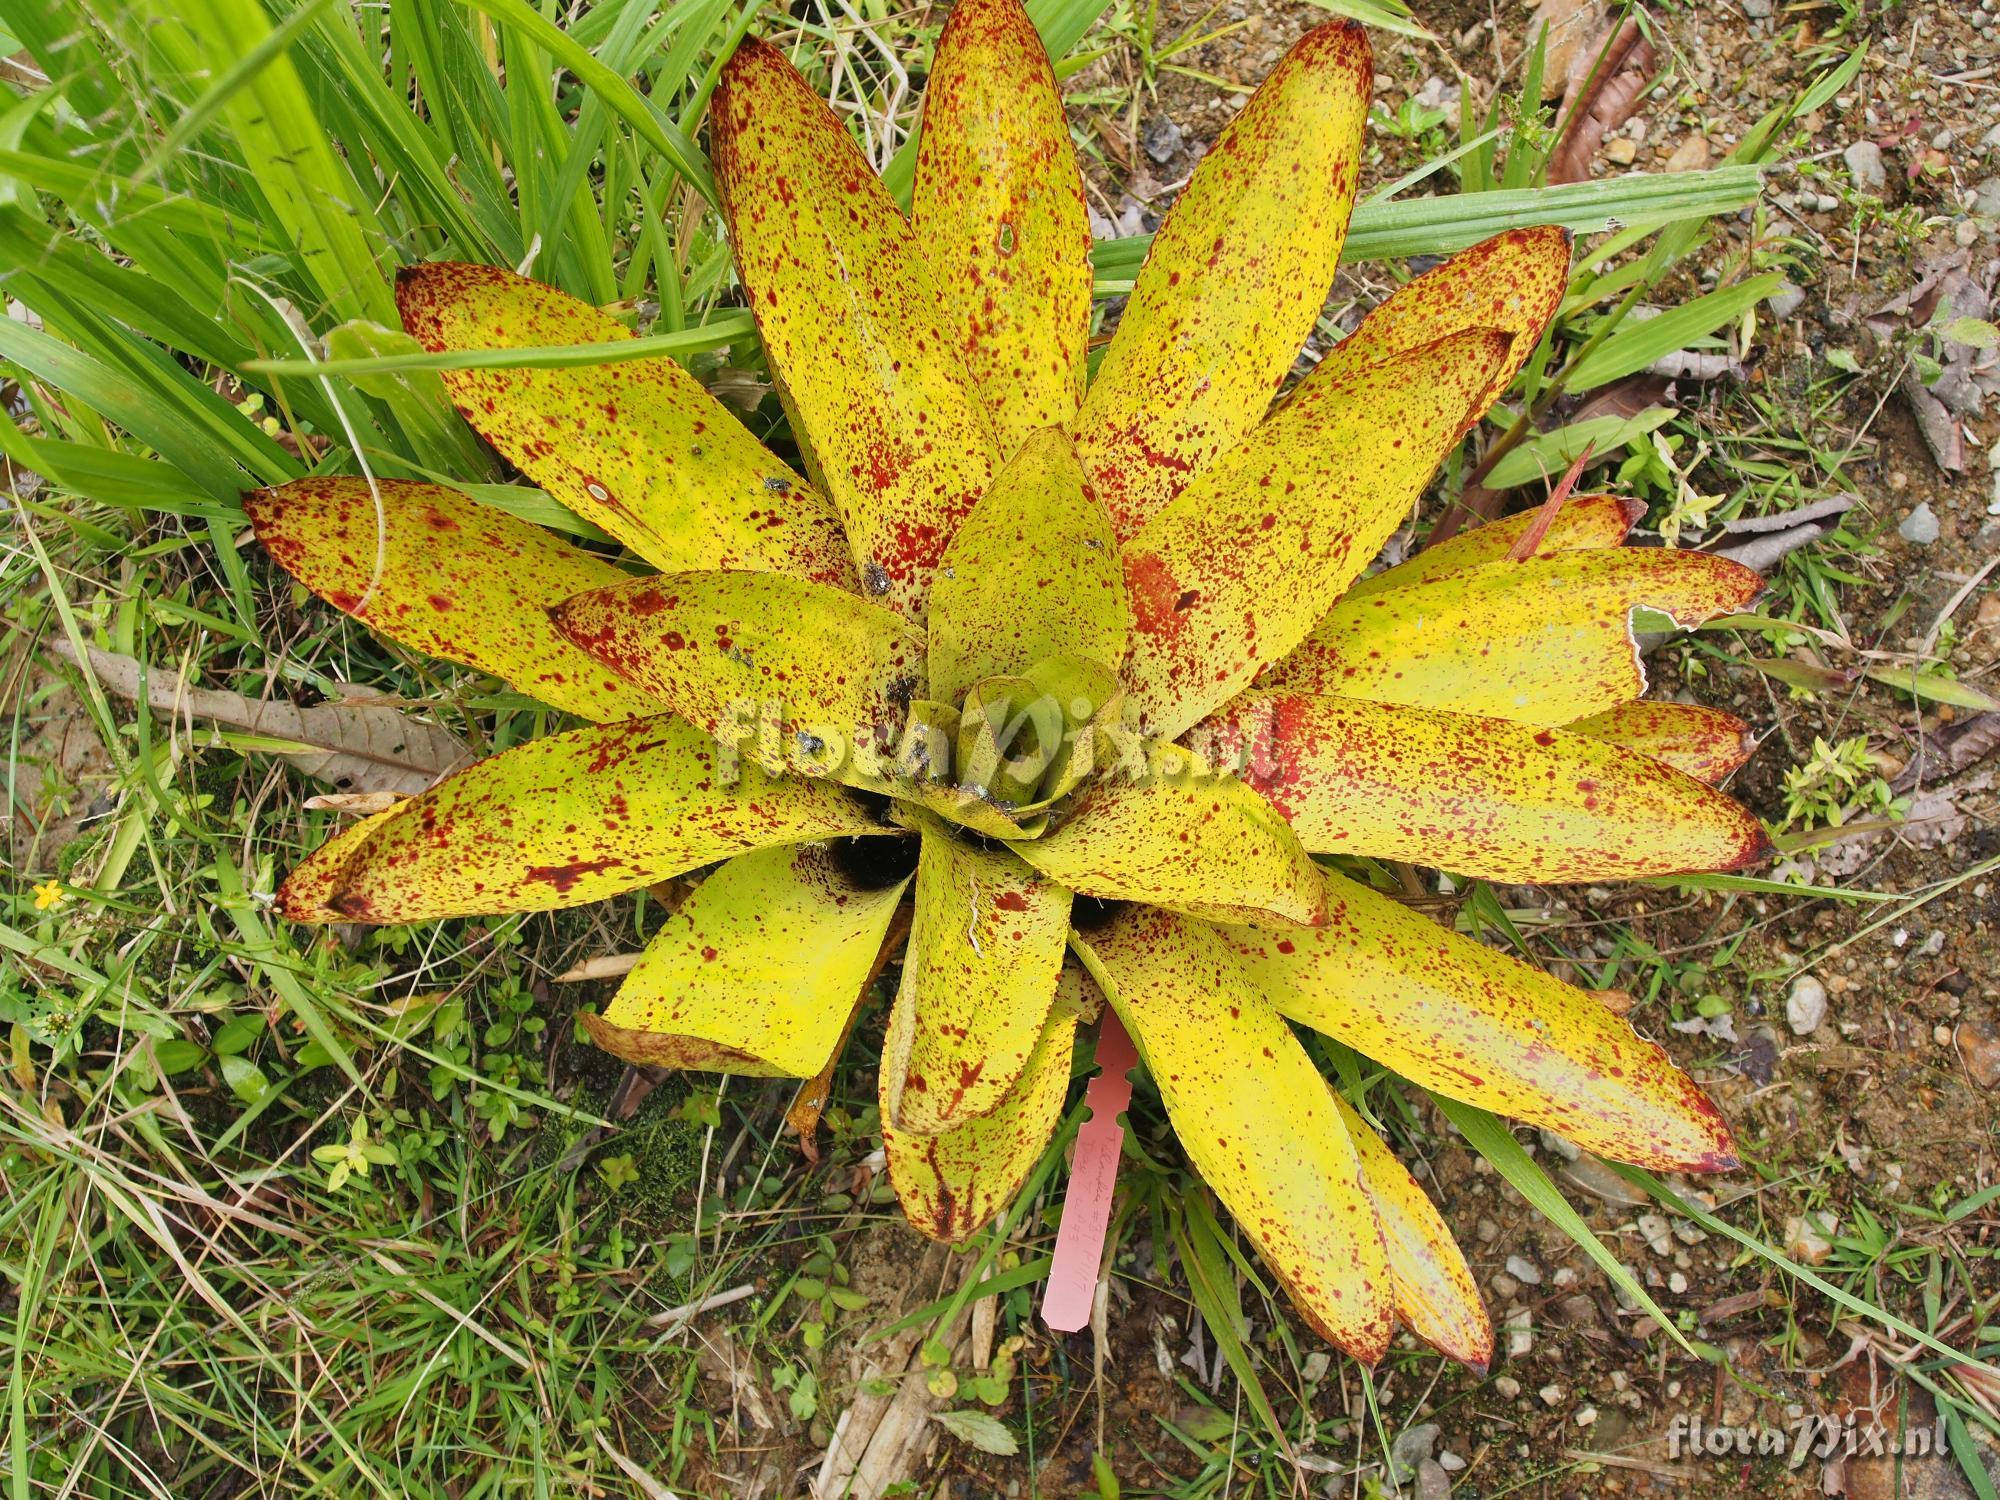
<point>1254,1116</point>
<point>1436,1297</point>
<point>1519,803</point>
<point>442,574</point>
<point>878,395</point>
<point>636,446</point>
<point>1233,281</point>
<point>998,215</point>
<point>1474,1024</point>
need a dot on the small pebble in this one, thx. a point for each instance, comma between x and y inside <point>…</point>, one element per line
<point>1866,167</point>
<point>1805,1006</point>
<point>1677,1283</point>
<point>1508,1387</point>
<point>1413,1445</point>
<point>1551,1394</point>
<point>1979,1049</point>
<point>1522,1269</point>
<point>1920,527</point>
<point>1658,1234</point>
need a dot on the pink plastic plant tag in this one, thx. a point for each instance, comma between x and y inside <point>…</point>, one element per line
<point>1093,1174</point>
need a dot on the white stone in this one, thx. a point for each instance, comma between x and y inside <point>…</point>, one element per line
<point>1920,527</point>
<point>1657,1233</point>
<point>1523,1269</point>
<point>1865,166</point>
<point>1805,1006</point>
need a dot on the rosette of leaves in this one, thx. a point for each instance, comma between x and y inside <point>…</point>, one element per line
<point>1073,657</point>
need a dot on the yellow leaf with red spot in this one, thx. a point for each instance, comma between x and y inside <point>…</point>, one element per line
<point>567,820</point>
<point>303,896</point>
<point>1544,641</point>
<point>876,389</point>
<point>1436,1297</point>
<point>756,972</point>
<point>1254,1116</point>
<point>1480,797</point>
<point>986,943</point>
<point>1473,1024</point>
<point>998,216</point>
<point>1706,743</point>
<point>952,1183</point>
<point>793,673</point>
<point>1238,568</point>
<point>1032,574</point>
<point>636,446</point>
<point>1584,522</point>
<point>439,573</point>
<point>1233,282</point>
<point>1513,282</point>
<point>1173,833</point>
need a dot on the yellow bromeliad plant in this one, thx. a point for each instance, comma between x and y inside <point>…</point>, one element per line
<point>1074,661</point>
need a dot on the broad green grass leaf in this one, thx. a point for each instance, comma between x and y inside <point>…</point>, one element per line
<point>1932,688</point>
<point>1545,456</point>
<point>1637,345</point>
<point>1492,1140</point>
<point>1440,225</point>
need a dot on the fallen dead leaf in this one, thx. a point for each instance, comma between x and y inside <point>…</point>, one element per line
<point>359,804</point>
<point>355,747</point>
<point>1602,101</point>
<point>1569,26</point>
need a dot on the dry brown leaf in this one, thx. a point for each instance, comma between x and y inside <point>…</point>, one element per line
<point>358,804</point>
<point>357,748</point>
<point>1948,751</point>
<point>1570,26</point>
<point>1601,100</point>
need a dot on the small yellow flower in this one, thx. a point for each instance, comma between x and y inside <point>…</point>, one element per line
<point>49,894</point>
